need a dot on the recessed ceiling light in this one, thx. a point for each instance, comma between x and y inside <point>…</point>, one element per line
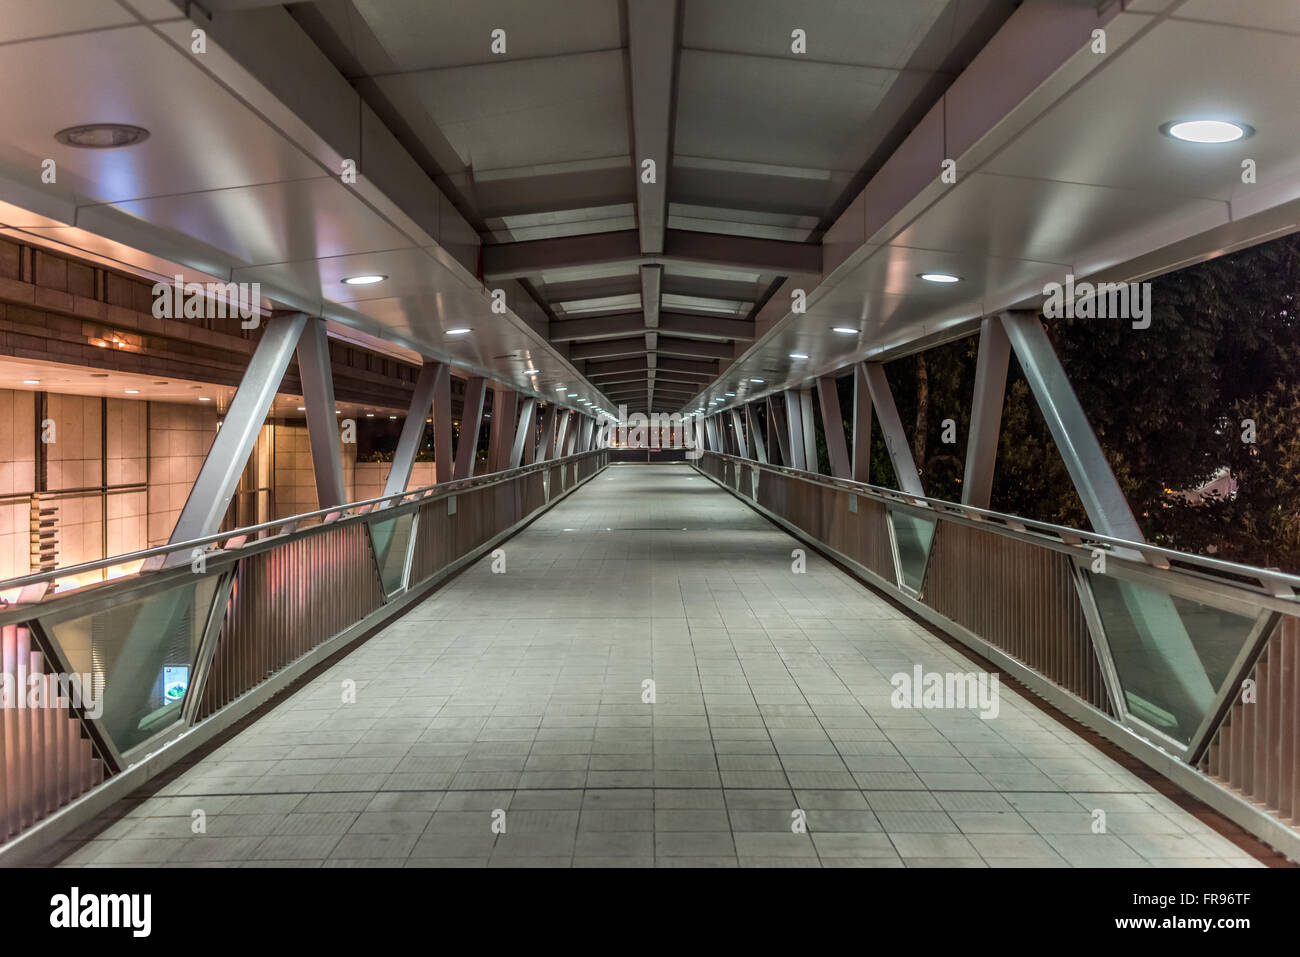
<point>845,330</point>
<point>560,388</point>
<point>940,277</point>
<point>31,382</point>
<point>572,395</point>
<point>392,416</point>
<point>1207,131</point>
<point>370,415</point>
<point>204,398</point>
<point>367,280</point>
<point>302,408</point>
<point>530,372</point>
<point>102,136</point>
<point>757,380</point>
<point>132,391</point>
<point>457,332</point>
<point>798,355</point>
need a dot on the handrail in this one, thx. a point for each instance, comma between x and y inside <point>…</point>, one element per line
<point>1265,577</point>
<point>349,510</point>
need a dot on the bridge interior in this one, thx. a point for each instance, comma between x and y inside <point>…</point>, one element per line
<point>518,696</point>
<point>556,432</point>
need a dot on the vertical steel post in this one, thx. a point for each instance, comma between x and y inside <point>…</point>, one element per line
<point>471,419</point>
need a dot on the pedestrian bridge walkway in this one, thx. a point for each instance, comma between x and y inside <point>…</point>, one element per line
<point>506,721</point>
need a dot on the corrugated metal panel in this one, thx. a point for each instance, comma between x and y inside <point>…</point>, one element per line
<point>46,758</point>
<point>1256,749</point>
<point>285,602</point>
<point>1019,598</point>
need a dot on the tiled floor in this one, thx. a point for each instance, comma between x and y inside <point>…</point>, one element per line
<point>522,693</point>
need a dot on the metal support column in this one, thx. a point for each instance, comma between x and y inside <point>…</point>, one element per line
<point>505,404</point>
<point>809,430</point>
<point>1098,490</point>
<point>900,453</point>
<point>755,434</point>
<point>986,413</point>
<point>777,424</point>
<point>471,419</point>
<point>1155,617</point>
<point>742,440</point>
<point>523,434</point>
<point>715,435</point>
<point>443,466</point>
<point>794,422</point>
<point>550,420</point>
<point>219,476</point>
<point>322,421</point>
<point>408,444</point>
<point>828,397</point>
<point>571,436</point>
<point>861,426</point>
<point>562,431</point>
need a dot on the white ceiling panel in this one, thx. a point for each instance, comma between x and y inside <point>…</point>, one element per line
<point>520,113</point>
<point>1180,70</point>
<point>26,20</point>
<point>281,222</point>
<point>419,35</point>
<point>133,76</point>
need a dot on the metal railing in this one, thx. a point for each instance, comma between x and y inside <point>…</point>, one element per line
<point>1170,654</point>
<point>207,626</point>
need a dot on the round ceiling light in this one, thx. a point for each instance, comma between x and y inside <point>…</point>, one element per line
<point>1206,131</point>
<point>457,332</point>
<point>940,277</point>
<point>102,136</point>
<point>844,330</point>
<point>366,280</point>
<point>798,356</point>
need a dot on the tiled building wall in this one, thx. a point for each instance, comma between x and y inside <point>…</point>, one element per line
<point>179,439</point>
<point>159,445</point>
<point>295,481</point>
<point>17,478</point>
<point>74,456</point>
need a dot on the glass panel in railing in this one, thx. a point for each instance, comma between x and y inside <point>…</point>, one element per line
<point>1172,654</point>
<point>137,657</point>
<point>913,534</point>
<point>391,537</point>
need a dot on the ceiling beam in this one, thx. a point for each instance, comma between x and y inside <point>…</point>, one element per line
<point>669,346</point>
<point>703,327</point>
<point>522,259</point>
<point>690,367</point>
<point>666,346</point>
<point>597,327</point>
<point>622,324</point>
<point>598,369</point>
<point>651,284</point>
<point>652,61</point>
